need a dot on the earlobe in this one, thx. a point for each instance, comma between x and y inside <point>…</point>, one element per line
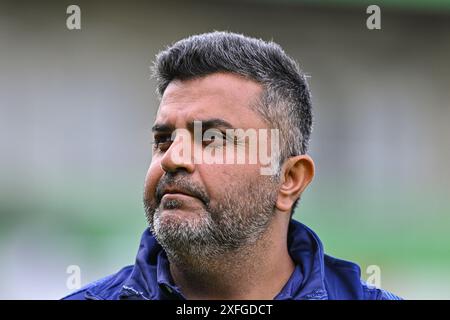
<point>297,172</point>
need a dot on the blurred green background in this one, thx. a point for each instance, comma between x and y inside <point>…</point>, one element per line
<point>77,107</point>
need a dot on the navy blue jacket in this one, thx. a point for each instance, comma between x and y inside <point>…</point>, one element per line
<point>317,276</point>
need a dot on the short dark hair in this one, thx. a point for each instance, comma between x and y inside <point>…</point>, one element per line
<point>286,100</point>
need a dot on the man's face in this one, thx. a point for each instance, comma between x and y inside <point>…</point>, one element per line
<point>198,208</point>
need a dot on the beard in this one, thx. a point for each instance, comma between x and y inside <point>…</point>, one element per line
<point>237,220</point>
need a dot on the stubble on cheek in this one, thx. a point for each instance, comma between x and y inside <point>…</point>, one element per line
<point>152,178</point>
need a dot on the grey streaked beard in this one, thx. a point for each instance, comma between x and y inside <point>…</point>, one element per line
<point>238,221</point>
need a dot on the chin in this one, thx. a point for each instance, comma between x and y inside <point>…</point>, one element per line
<point>176,218</point>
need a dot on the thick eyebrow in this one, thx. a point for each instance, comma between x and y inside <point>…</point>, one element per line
<point>211,123</point>
<point>206,124</point>
<point>160,127</point>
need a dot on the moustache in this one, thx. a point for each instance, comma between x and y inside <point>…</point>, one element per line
<point>169,181</point>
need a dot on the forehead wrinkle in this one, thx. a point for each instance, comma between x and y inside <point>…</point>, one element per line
<point>212,96</point>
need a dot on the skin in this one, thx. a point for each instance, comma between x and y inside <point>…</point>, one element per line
<point>256,272</point>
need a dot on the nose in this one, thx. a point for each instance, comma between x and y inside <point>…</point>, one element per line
<point>179,155</point>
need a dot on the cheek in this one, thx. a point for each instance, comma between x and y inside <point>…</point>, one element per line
<point>218,178</point>
<point>152,178</point>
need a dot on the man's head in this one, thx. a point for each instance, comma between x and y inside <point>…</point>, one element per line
<point>226,81</point>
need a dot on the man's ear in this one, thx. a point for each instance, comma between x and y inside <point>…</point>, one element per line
<point>297,172</point>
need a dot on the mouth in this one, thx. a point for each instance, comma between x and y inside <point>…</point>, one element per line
<point>176,195</point>
<point>180,202</point>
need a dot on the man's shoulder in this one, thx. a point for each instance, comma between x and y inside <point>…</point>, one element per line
<point>343,281</point>
<point>105,288</point>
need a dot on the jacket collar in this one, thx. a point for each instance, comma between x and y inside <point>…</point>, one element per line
<point>306,250</point>
<point>150,277</point>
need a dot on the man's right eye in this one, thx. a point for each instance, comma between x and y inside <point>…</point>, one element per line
<point>162,143</point>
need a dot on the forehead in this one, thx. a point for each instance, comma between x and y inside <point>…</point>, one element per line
<point>220,95</point>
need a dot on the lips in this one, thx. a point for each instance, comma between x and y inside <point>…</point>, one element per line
<point>177,200</point>
<point>177,191</point>
<point>176,195</point>
<point>180,189</point>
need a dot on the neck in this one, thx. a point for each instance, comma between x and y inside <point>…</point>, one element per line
<point>256,272</point>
